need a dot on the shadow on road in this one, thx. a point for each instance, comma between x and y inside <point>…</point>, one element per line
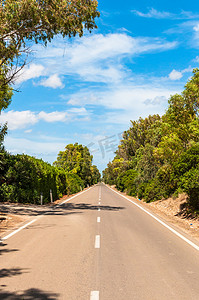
<point>5,250</point>
<point>30,294</point>
<point>37,211</point>
<point>11,272</point>
<point>56,210</point>
<point>80,206</point>
<point>22,210</point>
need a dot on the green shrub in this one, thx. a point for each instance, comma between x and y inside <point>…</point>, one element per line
<point>25,178</point>
<point>188,160</point>
<point>141,190</point>
<point>162,186</point>
<point>190,184</point>
<point>126,182</point>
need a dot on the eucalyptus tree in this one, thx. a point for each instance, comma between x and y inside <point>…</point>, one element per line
<point>25,22</point>
<point>38,21</point>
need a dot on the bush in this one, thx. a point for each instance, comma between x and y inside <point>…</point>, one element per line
<point>141,190</point>
<point>162,186</point>
<point>188,160</point>
<point>25,178</point>
<point>126,182</point>
<point>74,183</point>
<point>190,184</point>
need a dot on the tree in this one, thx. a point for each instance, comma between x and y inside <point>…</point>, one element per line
<point>161,154</point>
<point>3,131</point>
<point>76,159</point>
<point>37,21</point>
<point>95,174</point>
<point>126,182</point>
<point>140,133</point>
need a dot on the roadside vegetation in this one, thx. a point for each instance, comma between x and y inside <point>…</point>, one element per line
<point>158,157</point>
<point>23,178</point>
<point>24,23</point>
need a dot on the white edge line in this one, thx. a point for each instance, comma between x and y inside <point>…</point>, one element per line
<point>161,222</point>
<point>74,196</point>
<point>97,241</point>
<point>94,295</point>
<point>31,222</point>
<point>17,230</point>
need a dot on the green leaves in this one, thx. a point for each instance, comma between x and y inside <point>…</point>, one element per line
<point>23,178</point>
<point>76,159</point>
<point>162,152</point>
<point>23,22</point>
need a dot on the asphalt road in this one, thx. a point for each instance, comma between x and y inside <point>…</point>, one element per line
<point>98,246</point>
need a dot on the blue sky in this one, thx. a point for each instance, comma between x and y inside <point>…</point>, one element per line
<point>87,89</point>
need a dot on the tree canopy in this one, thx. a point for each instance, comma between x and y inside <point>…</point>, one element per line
<point>23,178</point>
<point>26,21</point>
<point>158,156</point>
<point>76,159</point>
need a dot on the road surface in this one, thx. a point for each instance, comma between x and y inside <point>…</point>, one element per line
<point>97,246</point>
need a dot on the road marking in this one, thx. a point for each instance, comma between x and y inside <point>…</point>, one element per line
<point>97,241</point>
<point>24,226</point>
<point>74,196</point>
<point>94,295</point>
<point>98,219</point>
<point>17,230</point>
<point>100,192</point>
<point>99,202</point>
<point>161,222</point>
<point>99,209</point>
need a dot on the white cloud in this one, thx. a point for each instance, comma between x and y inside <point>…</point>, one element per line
<point>23,119</point>
<point>153,13</point>
<point>53,81</point>
<point>196,27</point>
<point>93,58</point>
<point>122,97</point>
<point>69,115</point>
<point>195,41</point>
<point>81,111</point>
<point>18,119</point>
<point>196,59</point>
<point>55,116</point>
<point>30,72</point>
<point>94,73</point>
<point>175,75</point>
<point>123,103</point>
<point>191,29</point>
<point>28,131</point>
<point>49,150</point>
<point>99,47</point>
<point>187,70</point>
<point>97,58</point>
<point>156,101</point>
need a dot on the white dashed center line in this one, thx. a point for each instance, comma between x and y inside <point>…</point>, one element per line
<point>98,219</point>
<point>97,241</point>
<point>94,295</point>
